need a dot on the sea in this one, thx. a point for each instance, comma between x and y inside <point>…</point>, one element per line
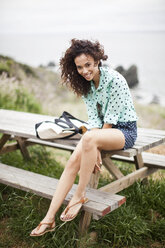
<point>132,33</point>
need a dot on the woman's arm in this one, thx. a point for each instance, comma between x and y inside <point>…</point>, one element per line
<point>106,125</point>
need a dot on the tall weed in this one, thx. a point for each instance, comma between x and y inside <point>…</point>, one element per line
<point>14,96</point>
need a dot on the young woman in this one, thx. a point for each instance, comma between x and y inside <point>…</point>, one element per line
<point>112,120</point>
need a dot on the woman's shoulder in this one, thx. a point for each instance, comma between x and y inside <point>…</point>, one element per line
<point>112,76</point>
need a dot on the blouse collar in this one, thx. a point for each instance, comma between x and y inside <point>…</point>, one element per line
<point>101,83</point>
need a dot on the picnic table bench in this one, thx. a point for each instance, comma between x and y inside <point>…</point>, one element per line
<point>19,126</point>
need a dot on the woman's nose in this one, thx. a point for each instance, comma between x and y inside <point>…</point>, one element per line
<point>85,70</point>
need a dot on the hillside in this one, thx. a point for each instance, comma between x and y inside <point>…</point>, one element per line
<point>44,85</point>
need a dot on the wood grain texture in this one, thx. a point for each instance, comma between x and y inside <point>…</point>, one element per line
<point>109,165</point>
<point>149,159</point>
<point>23,148</point>
<point>128,180</point>
<point>4,139</point>
<point>23,124</point>
<point>138,161</point>
<point>100,203</point>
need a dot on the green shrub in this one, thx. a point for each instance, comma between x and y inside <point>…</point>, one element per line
<point>26,102</point>
<point>15,96</point>
<point>15,69</point>
<point>4,68</point>
<point>21,100</point>
<point>28,70</point>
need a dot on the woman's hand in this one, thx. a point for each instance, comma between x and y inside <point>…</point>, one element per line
<point>106,125</point>
<point>98,163</point>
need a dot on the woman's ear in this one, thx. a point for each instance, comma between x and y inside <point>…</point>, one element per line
<point>96,63</point>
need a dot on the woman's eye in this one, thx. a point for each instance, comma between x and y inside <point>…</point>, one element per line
<point>87,65</point>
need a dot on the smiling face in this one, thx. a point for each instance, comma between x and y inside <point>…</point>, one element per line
<point>87,67</point>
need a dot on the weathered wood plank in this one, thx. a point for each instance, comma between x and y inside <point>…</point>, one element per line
<point>128,152</point>
<point>150,160</point>
<point>4,139</point>
<point>138,161</point>
<point>107,162</point>
<point>100,203</point>
<point>151,131</point>
<point>147,144</point>
<point>156,141</point>
<point>51,144</point>
<point>9,148</point>
<point>23,148</point>
<point>22,124</point>
<point>142,148</point>
<point>128,180</point>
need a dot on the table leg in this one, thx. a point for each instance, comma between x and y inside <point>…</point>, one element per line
<point>107,162</point>
<point>138,161</point>
<point>4,139</point>
<point>23,148</point>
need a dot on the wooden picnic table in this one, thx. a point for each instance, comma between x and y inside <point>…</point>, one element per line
<point>20,126</point>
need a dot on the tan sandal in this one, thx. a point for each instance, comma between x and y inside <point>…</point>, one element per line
<point>51,228</point>
<point>81,202</point>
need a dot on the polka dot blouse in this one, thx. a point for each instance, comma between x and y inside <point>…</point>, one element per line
<point>111,102</point>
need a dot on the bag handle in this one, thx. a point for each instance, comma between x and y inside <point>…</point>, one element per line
<point>65,114</point>
<point>58,121</point>
<point>67,121</point>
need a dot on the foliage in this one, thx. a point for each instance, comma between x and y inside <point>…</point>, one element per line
<point>15,69</point>
<point>28,70</point>
<point>16,97</point>
<point>4,68</point>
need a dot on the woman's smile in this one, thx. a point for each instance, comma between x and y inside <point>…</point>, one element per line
<point>87,76</point>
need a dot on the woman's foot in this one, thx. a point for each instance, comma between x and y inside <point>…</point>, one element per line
<point>46,225</point>
<point>73,208</point>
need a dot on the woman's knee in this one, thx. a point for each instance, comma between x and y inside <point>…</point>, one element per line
<point>73,164</point>
<point>88,141</point>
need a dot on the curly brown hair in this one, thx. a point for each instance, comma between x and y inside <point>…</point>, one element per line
<point>69,73</point>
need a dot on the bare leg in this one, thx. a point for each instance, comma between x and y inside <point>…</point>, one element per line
<point>102,139</point>
<point>65,183</point>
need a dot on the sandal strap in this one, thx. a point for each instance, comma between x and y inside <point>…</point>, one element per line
<point>83,200</point>
<point>49,224</point>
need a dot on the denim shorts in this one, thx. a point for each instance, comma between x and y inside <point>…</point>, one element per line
<point>129,129</point>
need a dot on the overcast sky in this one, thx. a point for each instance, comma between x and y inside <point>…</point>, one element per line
<point>52,16</point>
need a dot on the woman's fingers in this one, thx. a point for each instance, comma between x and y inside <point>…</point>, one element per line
<point>99,162</point>
<point>99,159</point>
